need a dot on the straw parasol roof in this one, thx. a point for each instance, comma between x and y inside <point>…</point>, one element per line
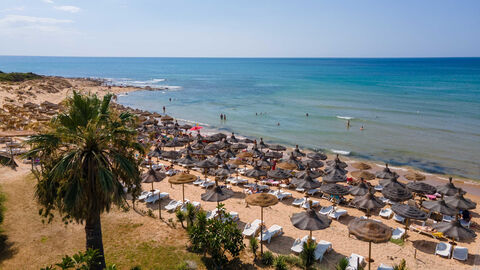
<point>313,174</point>
<point>182,178</point>
<point>206,164</point>
<point>238,146</point>
<point>262,144</point>
<point>359,190</point>
<point>198,144</point>
<point>396,192</point>
<point>227,154</point>
<point>363,174</point>
<point>233,139</point>
<point>273,154</point>
<point>334,176</point>
<point>278,174</point>
<point>277,147</point>
<point>317,156</point>
<point>216,137</point>
<point>370,230</point>
<point>174,143</point>
<point>448,189</point>
<point>261,199</point>
<point>312,163</point>
<point>187,149</point>
<point>394,179</point>
<point>212,147</point>
<point>310,221</point>
<point>420,187</point>
<point>217,159</point>
<point>166,118</point>
<point>440,207</point>
<point>245,155</point>
<point>307,182</point>
<point>255,152</point>
<point>361,166</point>
<point>152,176</point>
<point>187,160</point>
<point>263,163</point>
<point>224,170</point>
<point>171,154</point>
<point>256,172</point>
<point>459,202</point>
<point>297,153</point>
<point>247,140</point>
<point>334,189</point>
<point>217,194</point>
<point>409,212</point>
<point>454,230</point>
<point>202,152</point>
<point>385,173</point>
<point>336,168</point>
<point>185,126</point>
<point>368,202</point>
<point>286,166</point>
<point>223,144</point>
<point>338,162</point>
<point>155,153</point>
<point>414,176</point>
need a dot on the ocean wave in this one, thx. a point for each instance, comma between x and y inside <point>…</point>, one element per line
<point>341,152</point>
<point>345,117</point>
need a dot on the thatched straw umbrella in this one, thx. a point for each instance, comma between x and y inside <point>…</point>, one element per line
<point>262,200</point>
<point>310,220</point>
<point>273,154</point>
<point>459,202</point>
<point>368,202</point>
<point>338,162</point>
<point>454,230</point>
<point>313,174</point>
<point>317,156</point>
<point>363,174</point>
<point>205,165</point>
<point>217,194</point>
<point>182,179</point>
<point>262,144</point>
<point>448,189</point>
<point>361,166</point>
<point>359,190</point>
<point>297,153</point>
<point>312,163</point>
<point>385,173</point>
<point>334,176</point>
<point>408,212</point>
<point>414,176</point>
<point>440,207</point>
<point>152,176</point>
<point>277,147</point>
<point>369,230</point>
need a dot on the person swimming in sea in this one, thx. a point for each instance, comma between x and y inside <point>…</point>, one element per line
<point>278,124</point>
<point>306,114</point>
<point>361,128</point>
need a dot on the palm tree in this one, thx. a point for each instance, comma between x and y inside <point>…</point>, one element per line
<point>88,157</point>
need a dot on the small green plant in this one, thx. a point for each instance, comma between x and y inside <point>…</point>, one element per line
<point>399,242</point>
<point>180,217</point>
<point>150,213</point>
<point>182,266</point>
<point>267,258</point>
<point>308,254</point>
<point>190,215</point>
<point>401,266</point>
<point>254,246</point>
<point>342,264</point>
<point>293,260</point>
<point>280,263</point>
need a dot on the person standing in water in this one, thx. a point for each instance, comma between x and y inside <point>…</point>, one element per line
<point>348,123</point>
<point>163,109</point>
<point>221,116</point>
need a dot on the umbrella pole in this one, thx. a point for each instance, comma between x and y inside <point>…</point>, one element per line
<point>369,253</point>
<point>152,186</point>
<point>183,193</point>
<point>311,238</point>
<point>406,227</point>
<point>159,207</point>
<point>261,231</point>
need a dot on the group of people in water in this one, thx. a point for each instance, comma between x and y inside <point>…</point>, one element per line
<point>223,117</point>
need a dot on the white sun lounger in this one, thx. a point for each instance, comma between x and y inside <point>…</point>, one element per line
<point>207,184</point>
<point>274,230</point>
<point>460,253</point>
<point>378,187</point>
<point>312,192</point>
<point>326,210</point>
<point>465,223</point>
<point>298,202</point>
<point>297,246</point>
<point>447,218</point>
<point>398,218</point>
<point>443,249</point>
<point>386,213</point>
<point>322,247</point>
<point>355,261</point>
<point>384,267</point>
<point>173,205</point>
<point>237,181</point>
<point>184,205</point>
<point>300,190</point>
<point>212,213</point>
<point>144,195</point>
<point>337,213</point>
<point>306,204</point>
<point>198,182</point>
<point>233,216</point>
<point>251,229</point>
<point>398,233</point>
<point>283,194</point>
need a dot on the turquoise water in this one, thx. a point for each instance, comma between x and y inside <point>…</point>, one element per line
<point>419,112</point>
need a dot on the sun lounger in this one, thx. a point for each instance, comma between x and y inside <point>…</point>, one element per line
<point>337,213</point>
<point>297,246</point>
<point>312,192</point>
<point>447,218</point>
<point>198,182</point>
<point>173,205</point>
<point>384,267</point>
<point>322,247</point>
<point>283,194</point>
<point>378,187</point>
<point>300,190</point>
<point>144,195</point>
<point>355,261</point>
<point>306,204</point>
<point>298,202</point>
<point>460,253</point>
<point>443,249</point>
<point>212,213</point>
<point>383,199</point>
<point>237,181</point>
<point>398,218</point>
<point>398,233</point>
<point>326,210</point>
<point>251,229</point>
<point>464,223</point>
<point>152,198</point>
<point>386,213</point>
<point>207,184</point>
<point>273,231</point>
<point>233,216</point>
<point>183,208</point>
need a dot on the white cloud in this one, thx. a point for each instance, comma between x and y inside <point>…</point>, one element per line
<point>20,8</point>
<point>72,9</point>
<point>13,23</point>
<point>48,1</point>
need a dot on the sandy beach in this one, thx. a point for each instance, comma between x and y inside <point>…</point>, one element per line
<point>418,250</point>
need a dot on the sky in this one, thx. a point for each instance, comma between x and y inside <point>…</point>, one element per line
<point>242,28</point>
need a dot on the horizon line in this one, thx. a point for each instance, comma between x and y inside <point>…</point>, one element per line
<point>253,57</point>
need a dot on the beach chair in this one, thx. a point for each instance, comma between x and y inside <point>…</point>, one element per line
<point>164,195</point>
<point>212,213</point>
<point>274,230</point>
<point>379,188</point>
<point>384,267</point>
<point>337,213</point>
<point>355,261</point>
<point>298,202</point>
<point>460,253</point>
<point>443,249</point>
<point>383,199</point>
<point>173,205</point>
<point>300,190</point>
<point>198,182</point>
<point>284,194</point>
<point>326,210</point>
<point>251,229</point>
<point>465,223</point>
<point>207,184</point>
<point>398,218</point>
<point>386,213</point>
<point>398,233</point>
<point>232,215</point>
<point>297,246</point>
<point>322,247</point>
<point>447,218</point>
<point>306,204</point>
<point>312,192</point>
<point>153,198</point>
<point>144,195</point>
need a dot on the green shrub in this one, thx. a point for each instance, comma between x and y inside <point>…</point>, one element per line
<point>2,207</point>
<point>342,264</point>
<point>254,246</point>
<point>308,253</point>
<point>190,215</point>
<point>399,242</point>
<point>18,77</point>
<point>280,263</point>
<point>293,260</point>
<point>182,266</point>
<point>180,216</point>
<point>401,266</point>
<point>267,258</point>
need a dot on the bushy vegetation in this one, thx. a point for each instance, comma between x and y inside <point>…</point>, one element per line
<point>2,207</point>
<point>401,266</point>
<point>80,261</point>
<point>254,246</point>
<point>216,236</point>
<point>308,254</point>
<point>267,258</point>
<point>18,76</point>
<point>342,264</point>
<point>280,263</point>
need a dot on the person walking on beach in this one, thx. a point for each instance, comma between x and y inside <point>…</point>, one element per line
<point>163,109</point>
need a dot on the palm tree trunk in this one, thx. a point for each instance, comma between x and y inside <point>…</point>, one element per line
<point>93,232</point>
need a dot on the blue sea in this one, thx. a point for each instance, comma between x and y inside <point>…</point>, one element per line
<point>421,112</point>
